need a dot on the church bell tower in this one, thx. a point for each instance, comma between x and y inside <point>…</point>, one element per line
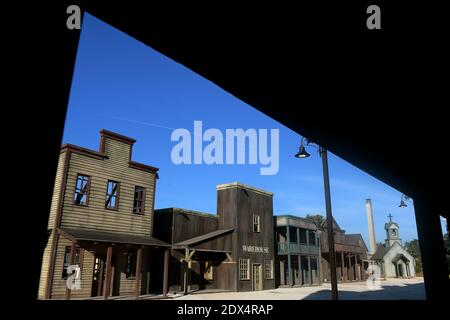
<point>392,235</point>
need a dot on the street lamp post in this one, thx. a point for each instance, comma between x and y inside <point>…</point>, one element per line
<point>302,153</point>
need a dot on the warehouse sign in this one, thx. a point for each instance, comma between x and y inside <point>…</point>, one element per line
<point>255,249</point>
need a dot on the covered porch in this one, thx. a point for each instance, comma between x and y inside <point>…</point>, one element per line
<point>205,262</point>
<point>113,265</point>
<point>350,266</point>
<point>402,266</point>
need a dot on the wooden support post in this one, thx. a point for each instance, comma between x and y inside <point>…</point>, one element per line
<point>343,267</point>
<point>189,275</point>
<point>309,271</point>
<point>108,277</point>
<point>186,260</point>
<point>166,272</point>
<point>138,272</point>
<point>356,268</point>
<point>289,254</point>
<point>319,257</point>
<point>349,270</point>
<point>73,251</point>
<point>100,279</point>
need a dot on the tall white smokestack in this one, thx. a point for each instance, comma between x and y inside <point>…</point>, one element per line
<point>369,211</point>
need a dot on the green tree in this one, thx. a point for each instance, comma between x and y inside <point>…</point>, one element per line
<point>316,218</point>
<point>413,249</point>
<point>447,243</point>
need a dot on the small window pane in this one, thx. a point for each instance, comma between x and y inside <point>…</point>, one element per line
<point>268,269</point>
<point>131,265</point>
<point>81,190</point>
<point>139,199</point>
<point>244,269</point>
<point>256,223</point>
<point>66,263</point>
<point>112,192</point>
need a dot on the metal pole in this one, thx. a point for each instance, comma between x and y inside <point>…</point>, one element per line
<point>326,182</point>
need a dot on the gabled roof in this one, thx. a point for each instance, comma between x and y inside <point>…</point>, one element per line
<point>355,239</point>
<point>380,252</point>
<point>323,224</point>
<point>383,250</point>
<point>398,257</point>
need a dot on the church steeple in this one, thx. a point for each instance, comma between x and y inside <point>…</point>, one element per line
<point>392,234</point>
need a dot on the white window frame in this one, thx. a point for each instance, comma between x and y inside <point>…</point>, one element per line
<point>257,223</point>
<point>270,264</point>
<point>242,263</point>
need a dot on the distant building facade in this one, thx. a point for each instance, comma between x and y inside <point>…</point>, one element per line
<point>298,251</point>
<point>351,254</point>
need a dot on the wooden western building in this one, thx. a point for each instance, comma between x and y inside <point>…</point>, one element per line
<point>351,255</point>
<point>298,249</point>
<point>233,250</point>
<point>101,221</point>
<point>105,238</point>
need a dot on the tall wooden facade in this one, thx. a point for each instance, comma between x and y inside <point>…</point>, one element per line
<point>249,211</point>
<point>232,250</point>
<point>100,222</point>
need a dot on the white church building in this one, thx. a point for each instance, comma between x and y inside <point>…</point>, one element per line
<point>392,258</point>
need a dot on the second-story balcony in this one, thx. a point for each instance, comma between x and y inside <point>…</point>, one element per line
<point>296,248</point>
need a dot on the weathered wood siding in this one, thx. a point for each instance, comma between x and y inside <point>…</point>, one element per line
<point>44,267</point>
<point>187,225</point>
<point>236,206</point>
<point>56,191</point>
<point>54,206</point>
<point>58,289</point>
<point>126,285</point>
<point>115,167</point>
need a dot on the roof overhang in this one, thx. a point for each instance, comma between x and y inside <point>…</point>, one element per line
<point>81,235</point>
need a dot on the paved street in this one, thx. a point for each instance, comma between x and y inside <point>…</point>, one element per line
<point>392,289</point>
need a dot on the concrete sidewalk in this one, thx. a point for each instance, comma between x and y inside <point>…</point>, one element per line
<point>391,289</point>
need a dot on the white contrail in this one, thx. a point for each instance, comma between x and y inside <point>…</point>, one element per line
<point>136,121</point>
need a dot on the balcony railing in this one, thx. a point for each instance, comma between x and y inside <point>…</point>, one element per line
<point>296,248</point>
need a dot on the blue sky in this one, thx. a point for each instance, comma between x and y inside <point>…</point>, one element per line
<point>124,86</point>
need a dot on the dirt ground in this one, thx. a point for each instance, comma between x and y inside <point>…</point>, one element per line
<point>390,289</point>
